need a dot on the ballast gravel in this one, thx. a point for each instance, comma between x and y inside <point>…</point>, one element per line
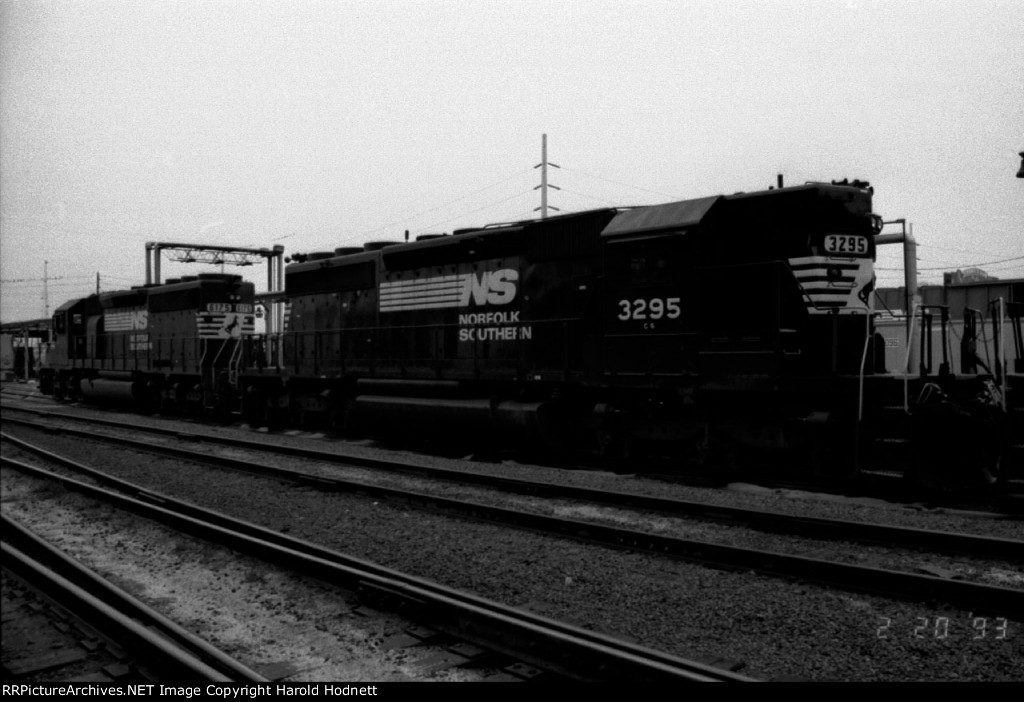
<point>775,628</point>
<point>279,624</point>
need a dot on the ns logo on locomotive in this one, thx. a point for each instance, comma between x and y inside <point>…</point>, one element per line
<point>716,331</point>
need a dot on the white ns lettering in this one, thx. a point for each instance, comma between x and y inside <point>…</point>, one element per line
<point>490,288</point>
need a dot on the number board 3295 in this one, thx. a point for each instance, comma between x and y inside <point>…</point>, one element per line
<point>846,244</point>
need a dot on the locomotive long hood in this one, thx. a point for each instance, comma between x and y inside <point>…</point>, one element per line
<point>673,215</point>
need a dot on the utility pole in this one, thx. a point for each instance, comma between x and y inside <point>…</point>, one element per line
<point>912,298</point>
<point>544,185</point>
<point>97,282</point>
<point>46,291</point>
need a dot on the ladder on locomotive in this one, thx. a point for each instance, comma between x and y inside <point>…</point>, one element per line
<point>235,363</point>
<point>211,370</point>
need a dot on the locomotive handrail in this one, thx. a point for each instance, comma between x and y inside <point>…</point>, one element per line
<point>906,362</point>
<point>944,330</point>
<point>969,358</point>
<point>308,345</point>
<point>1016,312</point>
<point>926,348</point>
<point>868,314</point>
<point>998,328</point>
<point>346,330</point>
<point>234,361</point>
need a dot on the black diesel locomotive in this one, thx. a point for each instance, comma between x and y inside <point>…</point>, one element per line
<point>722,329</point>
<point>177,346</point>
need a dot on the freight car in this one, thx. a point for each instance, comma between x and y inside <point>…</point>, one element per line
<point>171,347</point>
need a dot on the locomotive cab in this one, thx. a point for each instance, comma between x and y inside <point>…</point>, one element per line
<point>754,309</point>
<point>68,343</point>
<point>766,284</point>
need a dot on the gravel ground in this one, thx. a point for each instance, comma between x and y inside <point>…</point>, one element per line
<point>777,628</point>
<point>985,571</point>
<point>271,620</point>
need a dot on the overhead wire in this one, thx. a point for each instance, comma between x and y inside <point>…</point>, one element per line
<point>478,209</point>
<point>973,265</point>
<point>41,280</point>
<point>447,204</point>
<point>589,197</point>
<point>618,182</point>
<point>926,245</point>
<point>40,286</point>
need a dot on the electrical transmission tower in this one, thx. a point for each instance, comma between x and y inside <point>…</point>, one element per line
<point>544,185</point>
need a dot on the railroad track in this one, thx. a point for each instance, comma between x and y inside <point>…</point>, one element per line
<point>1007,602</point>
<point>23,391</point>
<point>542,642</point>
<point>160,649</point>
<point>881,484</point>
<point>775,522</point>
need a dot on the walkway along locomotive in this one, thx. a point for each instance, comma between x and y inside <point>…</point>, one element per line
<point>716,330</point>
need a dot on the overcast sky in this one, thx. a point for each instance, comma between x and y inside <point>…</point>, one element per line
<point>323,124</point>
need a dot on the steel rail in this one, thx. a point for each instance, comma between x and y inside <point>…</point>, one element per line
<point>176,661</point>
<point>776,522</point>
<point>544,643</point>
<point>1005,602</point>
<point>18,536</point>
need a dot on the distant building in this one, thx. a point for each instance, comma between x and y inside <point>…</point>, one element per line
<point>971,275</point>
<point>973,294</point>
<point>961,289</point>
<point>22,346</point>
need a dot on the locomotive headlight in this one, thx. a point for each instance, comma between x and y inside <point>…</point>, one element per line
<point>834,273</point>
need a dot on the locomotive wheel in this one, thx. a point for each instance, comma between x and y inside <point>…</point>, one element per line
<point>74,392</point>
<point>254,407</point>
<point>149,396</point>
<point>276,416</point>
<point>716,455</point>
<point>338,417</point>
<point>180,401</point>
